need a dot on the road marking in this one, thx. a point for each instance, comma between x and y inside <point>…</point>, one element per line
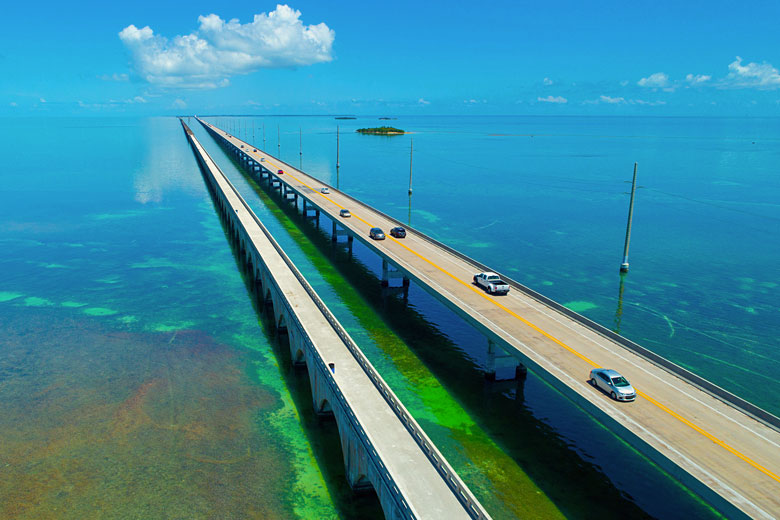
<point>568,348</point>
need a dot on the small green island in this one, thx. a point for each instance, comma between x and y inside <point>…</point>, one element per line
<point>381,130</point>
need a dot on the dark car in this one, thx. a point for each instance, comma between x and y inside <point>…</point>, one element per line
<point>280,172</point>
<point>254,149</point>
<point>376,233</point>
<point>398,232</point>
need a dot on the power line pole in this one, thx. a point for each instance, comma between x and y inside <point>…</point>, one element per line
<point>624,265</point>
<point>278,143</point>
<point>300,148</point>
<point>337,157</point>
<point>411,154</point>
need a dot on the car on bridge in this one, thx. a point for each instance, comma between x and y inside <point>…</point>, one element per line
<point>398,232</point>
<point>491,282</point>
<point>611,382</point>
<point>376,233</point>
<point>325,190</point>
<point>344,213</point>
<point>280,172</point>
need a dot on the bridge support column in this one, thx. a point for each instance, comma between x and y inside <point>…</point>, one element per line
<point>349,245</point>
<point>512,370</point>
<point>334,236</point>
<point>389,272</point>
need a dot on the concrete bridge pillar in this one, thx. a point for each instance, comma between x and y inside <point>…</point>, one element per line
<point>510,370</point>
<point>356,462</point>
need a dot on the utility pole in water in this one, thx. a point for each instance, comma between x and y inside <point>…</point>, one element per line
<point>411,153</point>
<point>624,265</point>
<point>337,157</point>
<point>300,148</point>
<point>264,137</point>
<point>278,143</point>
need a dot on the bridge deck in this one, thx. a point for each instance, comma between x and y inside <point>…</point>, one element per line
<point>423,487</point>
<point>725,450</point>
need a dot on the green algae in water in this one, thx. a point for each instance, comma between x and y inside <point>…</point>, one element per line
<point>72,304</point>
<point>580,306</point>
<point>99,311</point>
<point>34,301</point>
<point>8,296</point>
<point>490,472</point>
<point>171,327</point>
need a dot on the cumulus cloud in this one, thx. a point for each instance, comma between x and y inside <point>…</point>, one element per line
<point>657,80</point>
<point>753,75</point>
<point>206,57</point>
<point>423,101</point>
<point>13,104</point>
<point>697,79</point>
<point>547,81</point>
<point>551,99</point>
<point>612,100</point>
<point>179,103</point>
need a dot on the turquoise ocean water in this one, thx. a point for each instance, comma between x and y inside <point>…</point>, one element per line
<point>133,358</point>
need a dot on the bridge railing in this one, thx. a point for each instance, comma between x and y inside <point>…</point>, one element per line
<point>461,491</point>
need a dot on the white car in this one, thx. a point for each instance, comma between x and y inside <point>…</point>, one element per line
<point>612,383</point>
<point>325,190</point>
<point>491,282</point>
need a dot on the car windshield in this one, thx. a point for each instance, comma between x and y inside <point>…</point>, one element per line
<point>620,381</point>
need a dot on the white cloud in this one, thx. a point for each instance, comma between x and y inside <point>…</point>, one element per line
<point>753,75</point>
<point>218,49</point>
<point>551,99</point>
<point>13,104</point>
<point>547,81</point>
<point>423,101</point>
<point>659,79</point>
<point>647,103</point>
<point>474,101</point>
<point>115,77</point>
<point>624,83</point>
<point>612,100</point>
<point>697,79</point>
<point>42,100</point>
<point>179,103</point>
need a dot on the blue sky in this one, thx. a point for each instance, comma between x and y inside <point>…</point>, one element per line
<point>401,57</point>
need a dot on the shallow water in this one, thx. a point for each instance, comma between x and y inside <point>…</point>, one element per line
<point>114,258</point>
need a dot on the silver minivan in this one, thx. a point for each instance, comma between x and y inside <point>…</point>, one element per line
<point>611,382</point>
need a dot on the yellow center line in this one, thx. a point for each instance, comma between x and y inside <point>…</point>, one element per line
<point>711,437</point>
<point>549,336</point>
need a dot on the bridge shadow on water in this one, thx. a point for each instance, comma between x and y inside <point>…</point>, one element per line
<point>565,452</point>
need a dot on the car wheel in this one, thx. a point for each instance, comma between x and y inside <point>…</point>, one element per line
<point>593,382</point>
<point>613,396</point>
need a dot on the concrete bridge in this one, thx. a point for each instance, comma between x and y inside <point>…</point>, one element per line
<point>722,447</point>
<point>383,446</point>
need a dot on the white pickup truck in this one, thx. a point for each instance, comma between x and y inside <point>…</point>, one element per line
<point>491,282</point>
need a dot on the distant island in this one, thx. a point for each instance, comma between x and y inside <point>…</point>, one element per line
<point>345,117</point>
<point>387,118</point>
<point>381,130</point>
